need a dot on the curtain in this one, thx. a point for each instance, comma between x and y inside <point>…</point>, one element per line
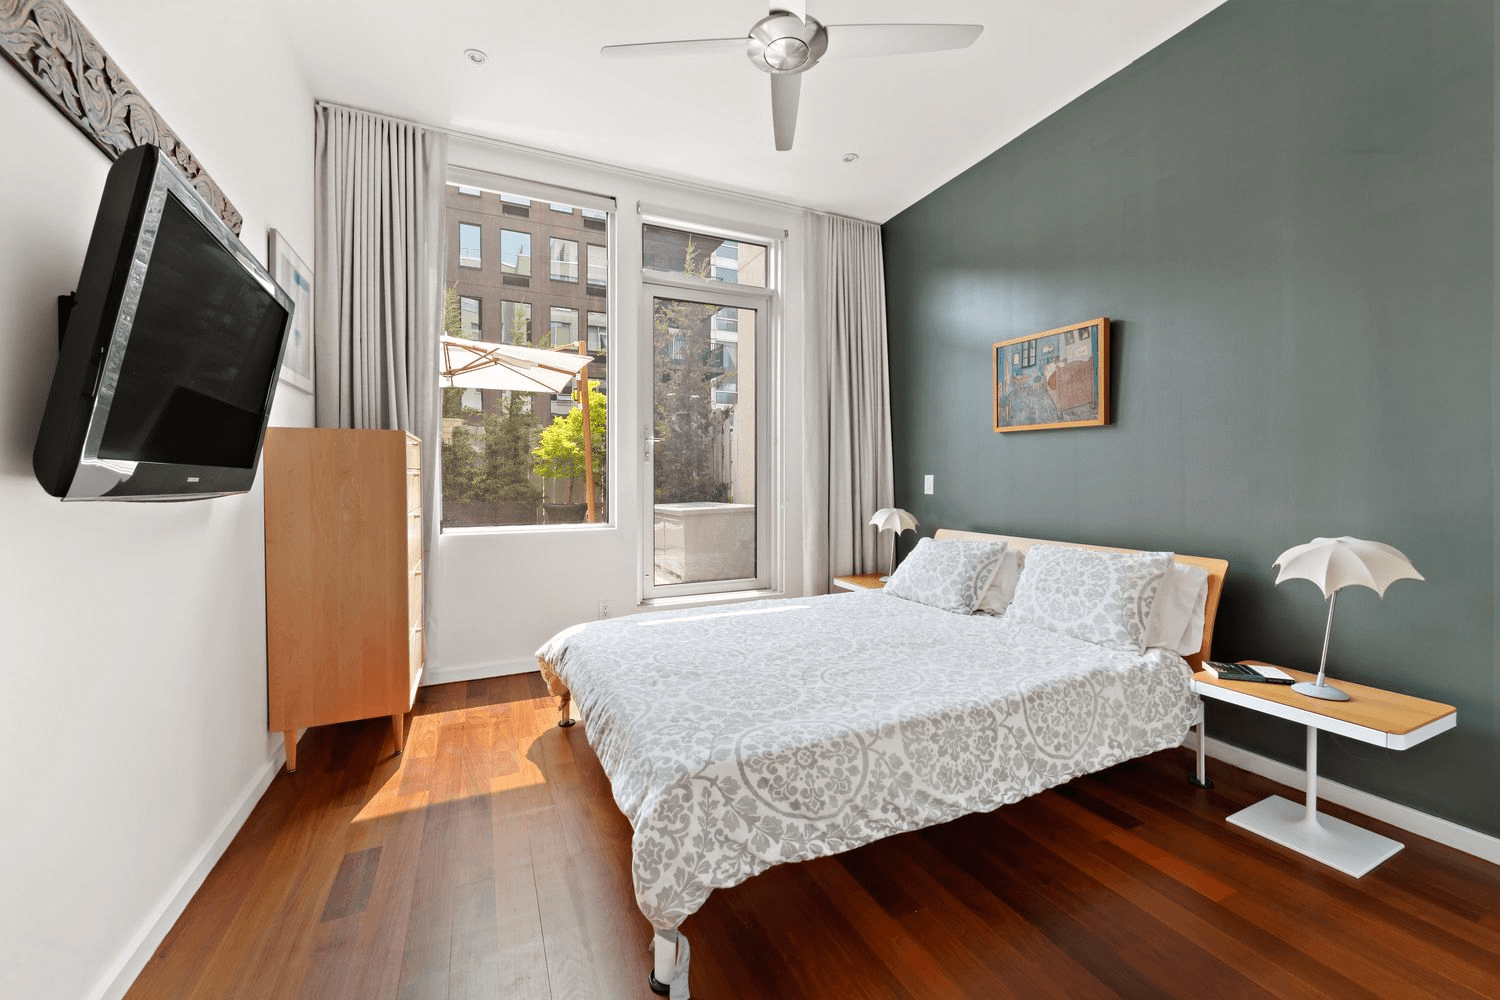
<point>379,257</point>
<point>855,397</point>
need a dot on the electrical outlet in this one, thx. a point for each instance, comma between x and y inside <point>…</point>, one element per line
<point>603,609</point>
<point>927,484</point>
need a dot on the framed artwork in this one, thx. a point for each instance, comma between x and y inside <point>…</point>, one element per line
<point>1056,378</point>
<point>296,279</point>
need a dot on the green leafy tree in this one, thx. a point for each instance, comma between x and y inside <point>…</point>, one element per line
<point>509,437</point>
<point>685,419</point>
<point>463,466</point>
<point>559,453</point>
<point>453,325</point>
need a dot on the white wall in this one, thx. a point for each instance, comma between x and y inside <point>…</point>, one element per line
<point>500,594</point>
<point>134,634</point>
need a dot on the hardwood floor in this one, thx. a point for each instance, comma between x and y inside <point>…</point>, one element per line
<point>489,860</point>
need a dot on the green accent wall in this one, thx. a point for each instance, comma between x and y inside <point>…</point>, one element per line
<point>1287,211</point>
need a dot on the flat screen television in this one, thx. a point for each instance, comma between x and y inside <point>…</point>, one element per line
<point>170,352</point>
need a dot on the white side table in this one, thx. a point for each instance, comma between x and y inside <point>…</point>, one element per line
<point>1384,718</point>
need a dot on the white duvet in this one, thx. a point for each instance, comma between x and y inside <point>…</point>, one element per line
<point>739,737</point>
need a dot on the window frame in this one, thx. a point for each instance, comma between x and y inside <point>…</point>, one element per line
<point>553,244</point>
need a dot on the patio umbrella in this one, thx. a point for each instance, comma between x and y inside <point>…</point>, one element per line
<point>476,364</point>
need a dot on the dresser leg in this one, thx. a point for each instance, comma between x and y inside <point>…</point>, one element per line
<point>289,737</point>
<point>398,729</point>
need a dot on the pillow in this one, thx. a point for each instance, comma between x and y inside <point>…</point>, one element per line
<point>1176,621</point>
<point>951,574</point>
<point>998,597</point>
<point>1100,597</point>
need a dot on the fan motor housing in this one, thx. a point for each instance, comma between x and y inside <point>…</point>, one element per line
<point>783,43</point>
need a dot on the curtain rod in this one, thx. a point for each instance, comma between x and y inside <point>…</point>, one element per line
<point>515,147</point>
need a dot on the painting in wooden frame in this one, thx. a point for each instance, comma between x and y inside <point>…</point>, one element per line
<point>1056,378</point>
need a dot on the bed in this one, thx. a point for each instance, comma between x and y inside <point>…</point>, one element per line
<point>742,736</point>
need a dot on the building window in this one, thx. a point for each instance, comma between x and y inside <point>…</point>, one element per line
<point>598,265</point>
<point>727,321</point>
<point>598,332</point>
<point>564,257</point>
<point>515,252</point>
<point>515,205</point>
<point>732,262</point>
<point>468,317</point>
<point>515,322</point>
<point>471,192</point>
<point>468,245</point>
<point>512,452</point>
<point>563,327</point>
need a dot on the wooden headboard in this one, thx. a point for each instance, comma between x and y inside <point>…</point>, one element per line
<point>1216,569</point>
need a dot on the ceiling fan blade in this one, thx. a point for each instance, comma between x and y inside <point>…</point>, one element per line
<point>785,89</point>
<point>798,7</point>
<point>856,41</point>
<point>685,47</point>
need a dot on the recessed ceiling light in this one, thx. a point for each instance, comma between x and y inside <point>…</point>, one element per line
<point>476,57</point>
<point>851,157</point>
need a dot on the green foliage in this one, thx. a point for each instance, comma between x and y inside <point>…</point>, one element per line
<point>559,454</point>
<point>453,320</point>
<point>492,462</point>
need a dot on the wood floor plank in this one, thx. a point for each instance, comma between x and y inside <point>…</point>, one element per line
<point>489,859</point>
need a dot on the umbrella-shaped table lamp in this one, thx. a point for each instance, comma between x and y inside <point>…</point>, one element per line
<point>896,520</point>
<point>1333,564</point>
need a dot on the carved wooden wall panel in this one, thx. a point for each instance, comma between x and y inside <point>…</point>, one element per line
<point>55,52</point>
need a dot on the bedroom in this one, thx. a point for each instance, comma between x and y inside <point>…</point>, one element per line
<point>1284,208</point>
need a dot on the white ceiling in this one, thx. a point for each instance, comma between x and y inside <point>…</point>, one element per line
<point>916,121</point>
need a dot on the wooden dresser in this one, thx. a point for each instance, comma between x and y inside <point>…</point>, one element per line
<point>343,578</point>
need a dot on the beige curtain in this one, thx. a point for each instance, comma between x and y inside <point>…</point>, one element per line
<point>849,361</point>
<point>379,262</point>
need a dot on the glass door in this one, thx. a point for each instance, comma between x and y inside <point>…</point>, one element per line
<point>705,478</point>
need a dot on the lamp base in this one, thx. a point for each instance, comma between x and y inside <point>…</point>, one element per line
<point>1319,691</point>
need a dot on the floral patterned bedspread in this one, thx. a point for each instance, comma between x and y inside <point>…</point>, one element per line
<point>739,737</point>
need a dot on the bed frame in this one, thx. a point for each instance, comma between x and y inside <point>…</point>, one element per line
<point>1216,569</point>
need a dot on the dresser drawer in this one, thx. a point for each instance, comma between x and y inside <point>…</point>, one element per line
<point>414,490</point>
<point>413,454</point>
<point>413,541</point>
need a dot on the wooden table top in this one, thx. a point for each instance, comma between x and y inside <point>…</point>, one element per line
<point>1374,708</point>
<point>864,581</point>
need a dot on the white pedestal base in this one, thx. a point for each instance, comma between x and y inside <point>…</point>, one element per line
<point>1350,849</point>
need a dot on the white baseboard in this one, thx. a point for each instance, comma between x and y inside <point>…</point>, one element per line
<point>129,965</point>
<point>477,671</point>
<point>1480,845</point>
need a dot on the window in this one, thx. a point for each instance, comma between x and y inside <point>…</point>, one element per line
<point>726,321</point>
<point>564,257</point>
<point>731,262</point>
<point>468,317</point>
<point>563,327</point>
<point>512,452</point>
<point>598,332</point>
<point>598,265</point>
<point>515,322</point>
<point>515,252</point>
<point>468,245</point>
<point>471,192</point>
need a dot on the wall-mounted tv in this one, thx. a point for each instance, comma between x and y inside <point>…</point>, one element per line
<point>170,352</point>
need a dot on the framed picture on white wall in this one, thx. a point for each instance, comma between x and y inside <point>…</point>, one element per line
<point>296,279</point>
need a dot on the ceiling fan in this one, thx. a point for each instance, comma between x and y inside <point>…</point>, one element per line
<point>787,43</point>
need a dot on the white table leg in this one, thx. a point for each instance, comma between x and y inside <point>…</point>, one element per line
<point>1350,849</point>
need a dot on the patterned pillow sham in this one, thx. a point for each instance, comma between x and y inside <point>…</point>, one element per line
<point>952,574</point>
<point>1100,597</point>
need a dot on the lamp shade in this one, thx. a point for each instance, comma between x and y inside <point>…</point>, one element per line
<point>1335,563</point>
<point>893,519</point>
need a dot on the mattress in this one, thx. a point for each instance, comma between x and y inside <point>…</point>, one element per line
<point>740,737</point>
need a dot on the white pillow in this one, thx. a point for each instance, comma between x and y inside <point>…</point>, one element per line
<point>1099,597</point>
<point>1176,620</point>
<point>952,574</point>
<point>1003,588</point>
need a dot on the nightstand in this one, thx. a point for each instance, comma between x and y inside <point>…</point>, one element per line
<point>1384,718</point>
<point>863,581</point>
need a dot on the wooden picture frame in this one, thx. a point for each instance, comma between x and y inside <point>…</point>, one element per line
<point>296,279</point>
<point>1056,378</point>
